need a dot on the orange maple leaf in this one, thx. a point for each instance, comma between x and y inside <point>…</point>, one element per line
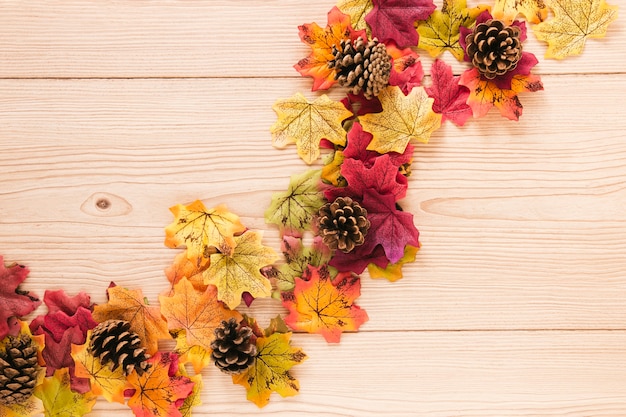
<point>321,42</point>
<point>130,305</point>
<point>319,305</point>
<point>161,389</point>
<point>181,268</point>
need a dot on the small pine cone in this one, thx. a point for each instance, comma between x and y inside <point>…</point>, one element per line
<point>114,343</point>
<point>19,369</point>
<point>343,224</point>
<point>234,348</point>
<point>494,48</point>
<point>361,66</point>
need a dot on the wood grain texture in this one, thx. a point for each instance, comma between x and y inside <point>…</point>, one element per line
<point>516,305</point>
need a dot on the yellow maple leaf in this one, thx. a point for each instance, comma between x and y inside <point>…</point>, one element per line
<point>573,23</point>
<point>130,305</point>
<point>307,123</point>
<point>196,355</point>
<point>441,31</point>
<point>357,10</point>
<point>239,273</point>
<point>534,11</point>
<point>58,398</point>
<point>393,272</point>
<point>203,230</point>
<point>403,118</point>
<point>270,371</point>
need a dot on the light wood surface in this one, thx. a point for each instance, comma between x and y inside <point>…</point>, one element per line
<point>516,305</point>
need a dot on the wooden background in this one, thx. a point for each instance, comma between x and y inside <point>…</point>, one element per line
<point>516,305</point>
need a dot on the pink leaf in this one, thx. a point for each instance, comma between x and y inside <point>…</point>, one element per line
<point>450,97</point>
<point>394,20</point>
<point>14,302</point>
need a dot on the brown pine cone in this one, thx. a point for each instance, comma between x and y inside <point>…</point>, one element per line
<point>494,48</point>
<point>343,224</point>
<point>234,347</point>
<point>19,369</point>
<point>113,343</point>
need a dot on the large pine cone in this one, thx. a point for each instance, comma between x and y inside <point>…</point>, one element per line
<point>494,48</point>
<point>234,348</point>
<point>343,224</point>
<point>361,66</point>
<point>19,369</point>
<point>115,344</point>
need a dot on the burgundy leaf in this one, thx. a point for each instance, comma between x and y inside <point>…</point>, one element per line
<point>394,20</point>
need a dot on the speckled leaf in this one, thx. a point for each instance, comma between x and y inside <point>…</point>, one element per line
<point>534,11</point>
<point>357,10</point>
<point>59,400</point>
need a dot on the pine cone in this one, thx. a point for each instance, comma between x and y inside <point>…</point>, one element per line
<point>361,66</point>
<point>494,48</point>
<point>19,369</point>
<point>114,343</point>
<point>343,224</point>
<point>234,348</point>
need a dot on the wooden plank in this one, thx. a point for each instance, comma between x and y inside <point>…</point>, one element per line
<point>522,223</point>
<point>217,38</point>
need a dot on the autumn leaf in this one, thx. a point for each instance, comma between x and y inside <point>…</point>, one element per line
<point>325,306</point>
<point>358,142</point>
<point>307,123</point>
<point>181,268</point>
<point>202,230</point>
<point>160,390</point>
<point>394,20</point>
<point>321,42</point>
<point>573,23</point>
<point>110,384</point>
<point>485,94</point>
<point>196,355</point>
<point>331,171</point>
<point>239,273</point>
<point>440,32</point>
<point>32,406</point>
<point>403,118</point>
<point>194,399</point>
<point>130,305</point>
<point>393,272</point>
<point>450,97</point>
<point>357,10</point>
<point>198,313</point>
<point>534,11</point>
<point>58,398</point>
<point>270,371</point>
<point>292,210</point>
<point>14,302</point>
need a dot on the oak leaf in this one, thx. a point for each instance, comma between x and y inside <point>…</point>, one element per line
<point>450,97</point>
<point>440,32</point>
<point>14,302</point>
<point>534,11</point>
<point>393,272</point>
<point>270,371</point>
<point>292,210</point>
<point>357,10</point>
<point>403,118</point>
<point>307,123</point>
<point>58,398</point>
<point>161,390</point>
<point>130,305</point>
<point>198,313</point>
<point>393,20</point>
<point>202,231</point>
<point>573,23</point>
<point>321,305</point>
<point>321,42</point>
<point>241,272</point>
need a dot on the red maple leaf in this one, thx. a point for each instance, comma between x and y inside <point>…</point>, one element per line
<point>357,259</point>
<point>450,97</point>
<point>407,71</point>
<point>14,302</point>
<point>394,20</point>
<point>359,105</point>
<point>358,140</point>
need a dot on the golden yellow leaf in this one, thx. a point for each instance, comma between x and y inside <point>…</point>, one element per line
<point>393,272</point>
<point>196,355</point>
<point>534,11</point>
<point>357,10</point>
<point>58,398</point>
<point>573,23</point>
<point>403,118</point>
<point>307,123</point>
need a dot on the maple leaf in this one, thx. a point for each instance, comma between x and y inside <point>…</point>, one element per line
<point>573,23</point>
<point>393,272</point>
<point>181,268</point>
<point>160,390</point>
<point>485,94</point>
<point>321,42</point>
<point>194,399</point>
<point>307,123</point>
<point>201,230</point>
<point>331,171</point>
<point>110,384</point>
<point>450,97</point>
<point>292,210</point>
<point>198,356</point>
<point>534,11</point>
<point>403,118</point>
<point>198,313</point>
<point>359,140</point>
<point>14,302</point>
<point>325,306</point>
<point>357,10</point>
<point>359,258</point>
<point>130,305</point>
<point>394,20</point>
<point>239,273</point>
<point>270,371</point>
<point>440,32</point>
<point>58,398</point>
